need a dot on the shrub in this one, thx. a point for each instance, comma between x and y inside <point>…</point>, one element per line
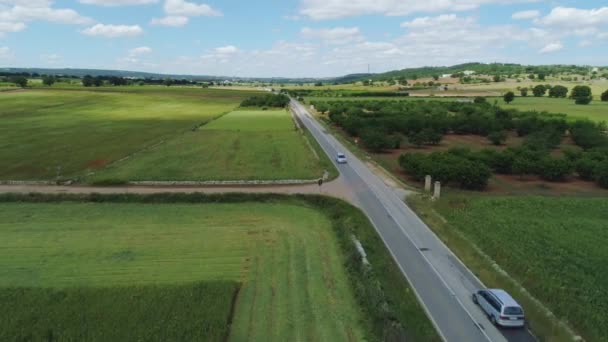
<point>546,139</point>
<point>558,91</point>
<point>268,100</point>
<point>555,169</point>
<point>604,96</point>
<point>581,94</point>
<point>480,99</point>
<point>601,174</point>
<point>539,90</point>
<point>509,97</point>
<point>586,168</point>
<point>587,134</point>
<point>376,140</point>
<point>523,92</point>
<point>498,137</point>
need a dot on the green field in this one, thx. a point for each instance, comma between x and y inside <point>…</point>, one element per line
<point>596,110</point>
<point>46,133</point>
<point>242,145</point>
<point>294,285</point>
<point>555,247</point>
<point>170,313</point>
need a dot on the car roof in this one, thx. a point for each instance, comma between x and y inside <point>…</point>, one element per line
<point>504,297</point>
<point>340,153</point>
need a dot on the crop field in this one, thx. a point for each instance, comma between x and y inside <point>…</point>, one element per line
<point>51,133</point>
<point>553,246</point>
<point>242,145</point>
<point>286,257</point>
<point>596,110</point>
<point>170,313</point>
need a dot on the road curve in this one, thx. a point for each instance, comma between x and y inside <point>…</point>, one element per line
<point>442,283</point>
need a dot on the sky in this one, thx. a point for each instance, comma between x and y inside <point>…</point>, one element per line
<point>298,38</point>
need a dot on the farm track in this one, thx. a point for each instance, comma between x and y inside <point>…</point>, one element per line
<point>335,188</point>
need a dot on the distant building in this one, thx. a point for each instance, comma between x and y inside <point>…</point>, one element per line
<point>446,76</point>
<point>468,72</point>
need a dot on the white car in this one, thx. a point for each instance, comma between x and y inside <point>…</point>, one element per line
<point>341,158</point>
<point>500,307</point>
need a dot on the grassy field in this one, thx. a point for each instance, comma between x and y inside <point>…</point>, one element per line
<point>553,246</point>
<point>170,313</point>
<point>294,286</point>
<point>596,110</point>
<point>45,133</point>
<point>242,145</point>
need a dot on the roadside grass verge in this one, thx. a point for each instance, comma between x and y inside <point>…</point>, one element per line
<point>49,134</point>
<point>241,145</point>
<point>548,249</point>
<point>188,312</point>
<point>307,282</point>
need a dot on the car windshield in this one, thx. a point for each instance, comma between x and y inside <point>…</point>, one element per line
<point>340,155</point>
<point>513,310</point>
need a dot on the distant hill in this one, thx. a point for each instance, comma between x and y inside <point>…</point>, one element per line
<point>478,68</point>
<point>144,75</point>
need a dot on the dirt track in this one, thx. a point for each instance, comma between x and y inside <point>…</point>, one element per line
<point>334,188</point>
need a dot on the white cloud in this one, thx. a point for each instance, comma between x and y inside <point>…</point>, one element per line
<point>142,50</point>
<point>9,27</point>
<point>171,20</point>
<point>226,50</point>
<point>113,31</point>
<point>189,9</point>
<point>551,47</point>
<point>531,14</point>
<point>51,58</point>
<point>39,10</point>
<point>338,35</point>
<point>117,2</point>
<point>5,54</point>
<point>569,17</point>
<point>440,22</point>
<point>332,9</point>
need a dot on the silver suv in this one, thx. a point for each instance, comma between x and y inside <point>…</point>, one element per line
<point>500,307</point>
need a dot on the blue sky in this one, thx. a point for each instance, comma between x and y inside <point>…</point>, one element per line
<point>296,38</point>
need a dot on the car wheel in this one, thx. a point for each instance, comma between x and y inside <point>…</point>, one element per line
<point>475,298</point>
<point>493,320</point>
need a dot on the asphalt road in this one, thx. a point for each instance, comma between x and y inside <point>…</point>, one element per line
<point>442,283</point>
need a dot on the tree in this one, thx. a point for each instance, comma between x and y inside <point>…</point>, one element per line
<point>98,81</point>
<point>496,78</point>
<point>524,92</point>
<point>87,81</point>
<point>376,140</point>
<point>555,169</point>
<point>539,90</point>
<point>581,94</point>
<point>558,91</point>
<point>480,99</point>
<point>509,97</point>
<point>541,76</point>
<point>436,77</point>
<point>531,76</point>
<point>497,137</point>
<point>601,174</point>
<point>20,81</point>
<point>604,96</point>
<point>48,80</point>
<point>168,82</point>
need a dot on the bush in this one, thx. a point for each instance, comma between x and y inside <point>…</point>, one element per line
<point>558,92</point>
<point>448,168</point>
<point>601,174</point>
<point>582,95</point>
<point>555,169</point>
<point>604,96</point>
<point>546,139</point>
<point>539,90</point>
<point>586,168</point>
<point>498,137</point>
<point>587,134</point>
<point>479,99</point>
<point>377,140</point>
<point>269,100</point>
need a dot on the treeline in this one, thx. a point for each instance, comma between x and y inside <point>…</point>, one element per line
<point>268,100</point>
<point>501,69</point>
<point>383,125</point>
<point>344,93</point>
